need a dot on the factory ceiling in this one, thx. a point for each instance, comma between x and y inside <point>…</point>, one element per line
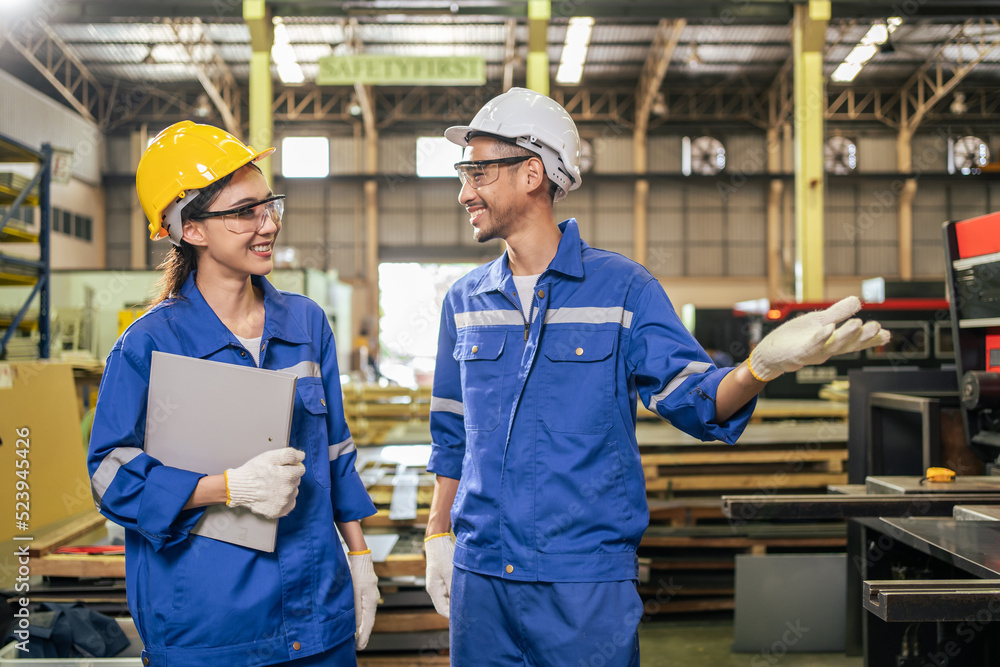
<point>724,61</point>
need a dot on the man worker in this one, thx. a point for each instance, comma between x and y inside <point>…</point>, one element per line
<point>542,356</point>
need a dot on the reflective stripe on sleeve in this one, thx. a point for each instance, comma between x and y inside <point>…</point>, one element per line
<point>590,315</point>
<point>304,369</point>
<point>692,368</point>
<point>489,318</point>
<point>106,472</point>
<point>447,405</point>
<point>341,448</point>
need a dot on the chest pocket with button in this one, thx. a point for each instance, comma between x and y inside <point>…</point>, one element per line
<point>309,429</point>
<point>579,380</point>
<point>480,355</point>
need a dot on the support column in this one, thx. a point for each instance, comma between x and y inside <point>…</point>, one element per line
<point>904,159</point>
<point>774,196</point>
<point>138,225</point>
<point>640,238</point>
<point>653,71</point>
<point>787,213</point>
<point>809,37</point>
<point>359,200</point>
<point>370,139</point>
<point>371,223</point>
<point>539,13</point>
<point>258,20</point>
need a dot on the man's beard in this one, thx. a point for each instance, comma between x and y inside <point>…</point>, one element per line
<point>500,221</point>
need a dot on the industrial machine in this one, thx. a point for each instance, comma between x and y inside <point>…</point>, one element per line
<point>974,285</point>
<point>924,550</point>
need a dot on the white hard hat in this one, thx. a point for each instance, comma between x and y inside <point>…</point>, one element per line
<point>535,122</point>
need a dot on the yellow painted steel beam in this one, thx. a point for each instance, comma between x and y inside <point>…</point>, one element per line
<point>809,36</point>
<point>775,192</point>
<point>509,53</point>
<point>539,13</point>
<point>654,69</point>
<point>258,19</point>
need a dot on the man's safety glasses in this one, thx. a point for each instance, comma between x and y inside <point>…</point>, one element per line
<point>483,172</point>
<point>251,217</point>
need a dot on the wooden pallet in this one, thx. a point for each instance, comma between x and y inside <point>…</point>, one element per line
<point>773,409</point>
<point>692,568</point>
<point>110,567</point>
<point>373,411</point>
<point>769,456</point>
<point>685,512</point>
<point>402,660</point>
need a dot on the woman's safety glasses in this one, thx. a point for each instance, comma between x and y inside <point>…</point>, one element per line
<point>251,217</point>
<point>483,172</point>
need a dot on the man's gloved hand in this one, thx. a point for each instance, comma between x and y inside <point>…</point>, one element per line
<point>268,483</point>
<point>439,551</point>
<point>813,338</point>
<point>366,595</point>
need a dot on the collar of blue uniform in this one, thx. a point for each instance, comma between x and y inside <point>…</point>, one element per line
<point>568,260</point>
<point>203,332</point>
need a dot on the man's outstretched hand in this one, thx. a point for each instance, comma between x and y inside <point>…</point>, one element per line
<point>813,338</point>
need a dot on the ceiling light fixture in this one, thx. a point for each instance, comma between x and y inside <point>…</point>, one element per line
<point>283,55</point>
<point>202,107</point>
<point>693,59</point>
<point>574,52</point>
<point>958,105</point>
<point>865,49</point>
<point>659,106</point>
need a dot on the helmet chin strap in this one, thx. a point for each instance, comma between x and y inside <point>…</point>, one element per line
<point>172,215</point>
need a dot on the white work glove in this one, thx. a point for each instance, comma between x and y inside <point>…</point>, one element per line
<point>813,338</point>
<point>366,595</point>
<point>268,483</point>
<point>439,550</point>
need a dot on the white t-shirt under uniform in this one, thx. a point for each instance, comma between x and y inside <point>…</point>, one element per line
<point>253,347</point>
<point>525,291</point>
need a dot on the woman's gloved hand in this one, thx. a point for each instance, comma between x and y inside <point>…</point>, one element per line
<point>268,483</point>
<point>366,594</point>
<point>813,338</point>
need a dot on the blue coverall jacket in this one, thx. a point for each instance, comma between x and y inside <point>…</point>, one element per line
<point>537,419</point>
<point>195,600</point>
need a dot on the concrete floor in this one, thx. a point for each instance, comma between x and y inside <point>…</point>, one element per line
<point>707,644</point>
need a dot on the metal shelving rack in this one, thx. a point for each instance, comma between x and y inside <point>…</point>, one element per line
<point>18,270</point>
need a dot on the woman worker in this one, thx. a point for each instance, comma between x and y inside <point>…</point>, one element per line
<point>198,601</point>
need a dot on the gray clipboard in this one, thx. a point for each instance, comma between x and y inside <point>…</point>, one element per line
<point>208,416</point>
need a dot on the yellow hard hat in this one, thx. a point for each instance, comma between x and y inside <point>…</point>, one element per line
<point>182,158</point>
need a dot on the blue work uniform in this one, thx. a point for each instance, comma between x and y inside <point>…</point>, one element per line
<point>198,601</point>
<point>536,416</point>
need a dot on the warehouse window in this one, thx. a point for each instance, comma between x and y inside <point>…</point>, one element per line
<point>410,298</point>
<point>436,157</point>
<point>73,224</point>
<point>82,227</point>
<point>305,157</point>
<point>24,214</point>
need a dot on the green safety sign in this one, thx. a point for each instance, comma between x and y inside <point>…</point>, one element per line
<point>401,70</point>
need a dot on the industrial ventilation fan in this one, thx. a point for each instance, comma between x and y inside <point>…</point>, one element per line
<point>840,155</point>
<point>708,156</point>
<point>970,153</point>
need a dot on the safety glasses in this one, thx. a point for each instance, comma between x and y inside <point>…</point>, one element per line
<point>478,173</point>
<point>250,217</point>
